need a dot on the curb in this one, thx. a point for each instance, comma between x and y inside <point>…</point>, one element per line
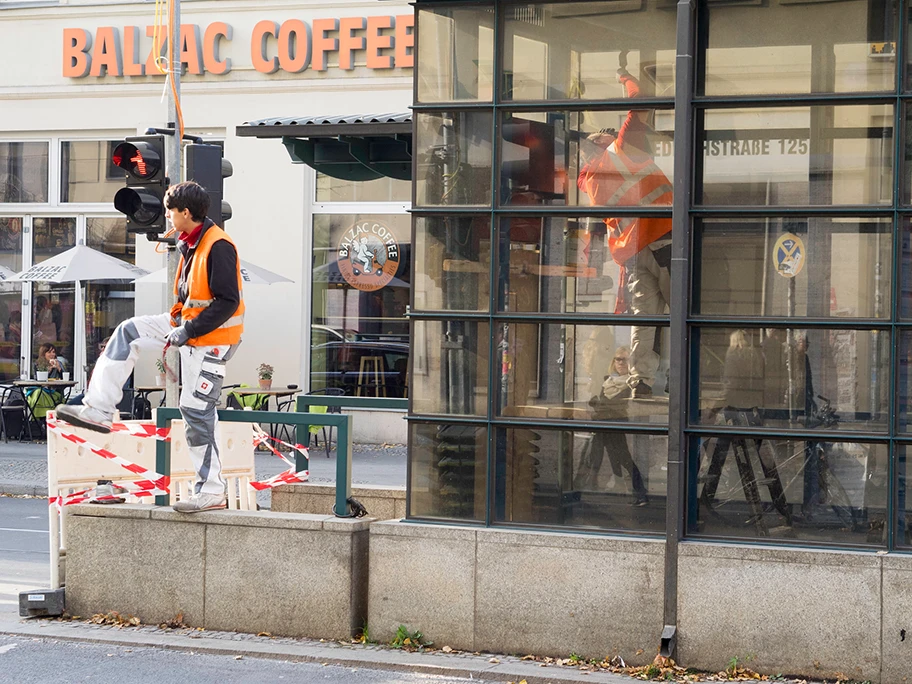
<point>466,666</point>
<point>18,489</point>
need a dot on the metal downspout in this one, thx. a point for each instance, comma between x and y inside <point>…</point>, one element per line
<point>679,399</point>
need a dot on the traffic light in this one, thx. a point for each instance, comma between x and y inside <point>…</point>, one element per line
<point>206,166</point>
<point>143,160</point>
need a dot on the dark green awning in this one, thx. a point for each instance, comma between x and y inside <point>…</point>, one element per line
<point>355,148</point>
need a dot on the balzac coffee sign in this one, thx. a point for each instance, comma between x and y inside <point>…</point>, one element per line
<point>292,46</point>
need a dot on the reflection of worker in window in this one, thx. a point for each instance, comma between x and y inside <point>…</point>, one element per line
<point>623,172</point>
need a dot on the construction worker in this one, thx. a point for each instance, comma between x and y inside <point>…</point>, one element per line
<point>206,324</point>
<point>623,172</point>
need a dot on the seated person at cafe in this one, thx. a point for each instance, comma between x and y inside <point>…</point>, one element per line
<point>47,357</point>
<point>43,399</point>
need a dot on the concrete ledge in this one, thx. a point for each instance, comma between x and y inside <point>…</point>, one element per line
<point>287,574</point>
<point>382,503</point>
<point>513,591</point>
<point>794,611</point>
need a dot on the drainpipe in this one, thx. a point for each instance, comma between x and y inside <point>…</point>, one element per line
<point>679,397</point>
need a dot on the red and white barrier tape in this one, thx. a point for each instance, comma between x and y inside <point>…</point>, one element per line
<point>153,485</point>
<point>158,484</point>
<point>287,477</point>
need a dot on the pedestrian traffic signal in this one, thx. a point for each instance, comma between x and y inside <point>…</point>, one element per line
<point>206,166</point>
<point>143,160</point>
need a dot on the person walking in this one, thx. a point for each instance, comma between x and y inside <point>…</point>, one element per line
<point>206,324</point>
<point>624,173</point>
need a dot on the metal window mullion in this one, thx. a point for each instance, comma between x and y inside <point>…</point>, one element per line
<point>494,251</point>
<point>675,509</point>
<point>896,273</point>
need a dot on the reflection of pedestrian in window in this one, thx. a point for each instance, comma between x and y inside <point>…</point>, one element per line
<point>743,393</point>
<point>611,404</point>
<point>625,174</point>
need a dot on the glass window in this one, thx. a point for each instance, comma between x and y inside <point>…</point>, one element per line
<point>107,304</point>
<point>10,298</point>
<point>813,379</point>
<point>577,50</point>
<point>782,489</point>
<point>10,330</point>
<point>447,471</point>
<point>604,158</point>
<point>11,243</point>
<point>455,54</point>
<point>86,171</point>
<point>361,282</point>
<point>571,265</point>
<point>566,478</point>
<point>582,372</point>
<point>384,189</point>
<point>53,321</point>
<point>23,172</point>
<point>453,152</point>
<point>52,236</point>
<point>904,410</point>
<point>452,263</point>
<point>821,155</point>
<point>795,266</point>
<point>450,367</point>
<point>799,47</point>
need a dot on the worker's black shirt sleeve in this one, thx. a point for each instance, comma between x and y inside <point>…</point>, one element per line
<point>222,268</point>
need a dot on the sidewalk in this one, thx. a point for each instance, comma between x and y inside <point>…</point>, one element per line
<point>23,466</point>
<point>484,667</point>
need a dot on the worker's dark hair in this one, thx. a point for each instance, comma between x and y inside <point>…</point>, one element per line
<point>609,131</point>
<point>188,195</point>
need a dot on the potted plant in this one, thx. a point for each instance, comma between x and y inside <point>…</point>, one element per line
<point>264,373</point>
<point>42,367</point>
<point>160,378</point>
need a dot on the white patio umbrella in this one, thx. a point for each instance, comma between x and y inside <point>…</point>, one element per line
<point>76,265</point>
<point>251,274</point>
<point>80,263</point>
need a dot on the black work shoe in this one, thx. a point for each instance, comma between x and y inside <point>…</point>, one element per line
<point>641,390</point>
<point>85,417</point>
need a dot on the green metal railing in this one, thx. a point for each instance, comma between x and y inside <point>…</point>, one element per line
<point>302,421</point>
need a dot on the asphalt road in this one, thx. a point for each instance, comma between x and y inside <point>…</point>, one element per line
<point>23,550</point>
<point>43,661</point>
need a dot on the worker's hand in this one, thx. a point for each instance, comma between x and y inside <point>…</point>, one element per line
<point>178,337</point>
<point>622,75</point>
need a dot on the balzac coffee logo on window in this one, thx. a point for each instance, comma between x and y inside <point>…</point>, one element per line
<point>368,256</point>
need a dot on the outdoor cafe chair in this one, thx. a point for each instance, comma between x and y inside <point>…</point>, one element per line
<point>314,429</point>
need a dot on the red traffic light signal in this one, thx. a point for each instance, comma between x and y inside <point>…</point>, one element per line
<point>141,160</point>
<point>142,200</point>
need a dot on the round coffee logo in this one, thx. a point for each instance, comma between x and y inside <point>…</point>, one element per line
<point>368,256</point>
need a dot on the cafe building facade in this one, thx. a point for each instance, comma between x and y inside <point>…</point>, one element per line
<point>97,83</point>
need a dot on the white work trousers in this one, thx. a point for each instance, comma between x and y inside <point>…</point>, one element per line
<point>202,375</point>
<point>649,286</point>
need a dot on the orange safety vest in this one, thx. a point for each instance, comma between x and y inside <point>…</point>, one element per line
<point>617,180</point>
<point>199,295</point>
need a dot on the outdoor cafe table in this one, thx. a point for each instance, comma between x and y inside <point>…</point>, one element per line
<point>63,385</point>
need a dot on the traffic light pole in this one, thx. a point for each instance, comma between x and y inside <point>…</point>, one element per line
<point>173,170</point>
